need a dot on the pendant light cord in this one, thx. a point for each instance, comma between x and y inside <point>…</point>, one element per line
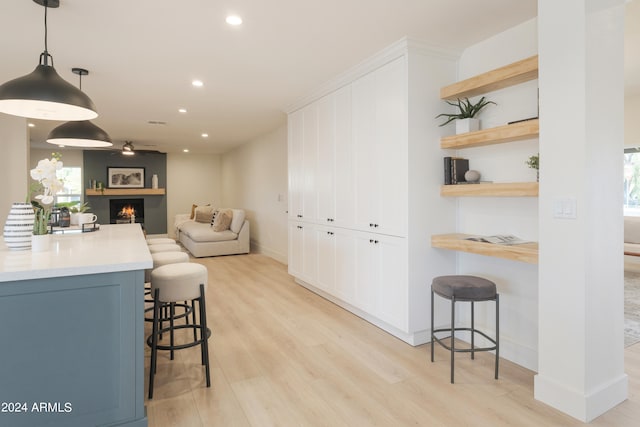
<point>45,55</point>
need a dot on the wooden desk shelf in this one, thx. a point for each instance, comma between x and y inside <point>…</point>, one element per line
<point>504,189</point>
<point>496,135</point>
<point>527,252</point>
<point>509,75</point>
<point>125,192</point>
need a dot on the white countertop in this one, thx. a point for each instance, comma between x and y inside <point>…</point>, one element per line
<point>121,247</point>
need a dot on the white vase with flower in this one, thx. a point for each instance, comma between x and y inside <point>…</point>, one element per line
<point>45,173</point>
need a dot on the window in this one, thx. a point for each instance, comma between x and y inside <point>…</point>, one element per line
<point>631,182</point>
<point>72,191</point>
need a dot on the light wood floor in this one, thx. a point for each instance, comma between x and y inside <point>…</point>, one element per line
<point>282,356</point>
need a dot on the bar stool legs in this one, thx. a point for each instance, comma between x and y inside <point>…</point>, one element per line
<point>464,289</point>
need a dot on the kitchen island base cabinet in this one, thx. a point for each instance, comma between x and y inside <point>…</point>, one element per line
<point>72,350</point>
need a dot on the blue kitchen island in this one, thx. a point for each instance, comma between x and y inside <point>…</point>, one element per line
<point>72,331</point>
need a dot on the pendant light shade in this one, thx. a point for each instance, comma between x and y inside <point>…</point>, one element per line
<point>127,149</point>
<point>43,94</point>
<point>82,133</point>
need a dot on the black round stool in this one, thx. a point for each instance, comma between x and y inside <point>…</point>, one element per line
<point>459,289</point>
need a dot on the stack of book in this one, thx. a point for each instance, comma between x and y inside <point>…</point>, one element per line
<point>454,170</point>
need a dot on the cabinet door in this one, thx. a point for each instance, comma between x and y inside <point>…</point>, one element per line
<point>296,177</point>
<point>326,159</point>
<point>303,252</point>
<point>366,273</point>
<point>392,281</point>
<point>391,145</point>
<point>366,163</point>
<point>380,142</point>
<point>326,259</point>
<point>344,191</point>
<point>309,162</point>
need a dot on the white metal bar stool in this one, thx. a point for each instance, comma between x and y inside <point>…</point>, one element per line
<point>169,284</point>
<point>471,289</point>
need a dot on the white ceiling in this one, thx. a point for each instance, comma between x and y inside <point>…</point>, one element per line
<point>143,54</point>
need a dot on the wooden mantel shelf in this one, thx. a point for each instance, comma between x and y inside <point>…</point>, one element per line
<point>125,192</point>
<point>501,189</point>
<point>526,252</point>
<point>509,75</point>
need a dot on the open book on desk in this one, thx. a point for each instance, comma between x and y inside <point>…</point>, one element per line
<point>499,239</point>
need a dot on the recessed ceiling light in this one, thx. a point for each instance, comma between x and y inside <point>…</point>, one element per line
<point>31,125</point>
<point>186,150</point>
<point>182,110</point>
<point>197,83</point>
<point>61,145</point>
<point>205,135</point>
<point>234,20</point>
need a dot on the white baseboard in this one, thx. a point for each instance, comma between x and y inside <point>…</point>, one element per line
<point>584,406</point>
<point>257,248</point>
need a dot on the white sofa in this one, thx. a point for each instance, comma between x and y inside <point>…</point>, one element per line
<point>632,234</point>
<point>200,239</point>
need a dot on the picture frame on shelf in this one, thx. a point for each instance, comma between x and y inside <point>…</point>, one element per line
<point>125,177</point>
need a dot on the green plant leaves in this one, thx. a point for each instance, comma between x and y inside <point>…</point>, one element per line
<point>466,109</point>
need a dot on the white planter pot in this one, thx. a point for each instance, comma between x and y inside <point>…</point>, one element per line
<point>74,218</point>
<point>19,227</point>
<point>40,242</point>
<point>467,125</point>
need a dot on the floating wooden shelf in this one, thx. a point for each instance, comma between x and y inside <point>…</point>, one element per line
<point>125,192</point>
<point>509,75</point>
<point>527,252</point>
<point>498,135</point>
<point>504,189</point>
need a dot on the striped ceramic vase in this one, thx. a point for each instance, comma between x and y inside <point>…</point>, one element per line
<point>19,227</point>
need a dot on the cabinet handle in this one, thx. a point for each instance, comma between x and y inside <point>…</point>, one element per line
<point>375,225</point>
<point>330,233</point>
<point>370,224</point>
<point>299,227</point>
<point>370,240</point>
<point>299,216</point>
<point>375,241</point>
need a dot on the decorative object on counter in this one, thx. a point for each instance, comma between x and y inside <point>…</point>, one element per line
<point>125,177</point>
<point>18,227</point>
<point>154,181</point>
<point>47,182</point>
<point>64,220</point>
<point>76,209</point>
<point>534,163</point>
<point>86,218</point>
<point>465,117</point>
<point>472,176</point>
<point>40,242</point>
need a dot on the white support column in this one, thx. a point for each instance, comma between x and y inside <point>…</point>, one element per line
<point>581,291</point>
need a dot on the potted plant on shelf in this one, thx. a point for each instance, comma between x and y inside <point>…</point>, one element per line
<point>534,163</point>
<point>465,117</point>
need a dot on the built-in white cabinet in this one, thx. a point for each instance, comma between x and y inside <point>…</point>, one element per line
<point>363,189</point>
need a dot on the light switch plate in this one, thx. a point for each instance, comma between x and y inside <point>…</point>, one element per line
<point>565,208</point>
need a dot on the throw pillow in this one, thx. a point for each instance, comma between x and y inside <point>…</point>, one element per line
<point>193,210</point>
<point>223,220</point>
<point>214,215</point>
<point>203,214</point>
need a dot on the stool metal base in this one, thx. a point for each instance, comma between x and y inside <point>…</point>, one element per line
<point>452,330</point>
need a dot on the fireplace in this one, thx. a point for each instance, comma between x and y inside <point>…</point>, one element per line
<point>122,211</point>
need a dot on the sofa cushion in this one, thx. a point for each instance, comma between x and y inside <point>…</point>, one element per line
<point>203,214</point>
<point>193,209</point>
<point>199,232</point>
<point>632,229</point>
<point>237,220</point>
<point>223,220</point>
<point>214,215</point>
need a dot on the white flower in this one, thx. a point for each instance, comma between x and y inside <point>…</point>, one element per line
<point>45,174</point>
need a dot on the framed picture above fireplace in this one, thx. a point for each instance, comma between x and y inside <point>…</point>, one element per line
<point>125,177</point>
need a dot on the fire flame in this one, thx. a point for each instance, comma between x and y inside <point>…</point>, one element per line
<point>127,211</point>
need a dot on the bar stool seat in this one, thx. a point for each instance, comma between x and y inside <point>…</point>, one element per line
<point>471,289</point>
<point>160,241</point>
<point>164,258</point>
<point>171,283</point>
<point>172,247</point>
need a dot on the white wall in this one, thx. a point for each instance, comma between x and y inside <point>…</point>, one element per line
<point>14,139</point>
<point>254,177</point>
<point>192,178</point>
<point>517,282</point>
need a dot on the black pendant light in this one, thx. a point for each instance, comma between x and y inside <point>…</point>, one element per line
<point>81,133</point>
<point>43,94</point>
